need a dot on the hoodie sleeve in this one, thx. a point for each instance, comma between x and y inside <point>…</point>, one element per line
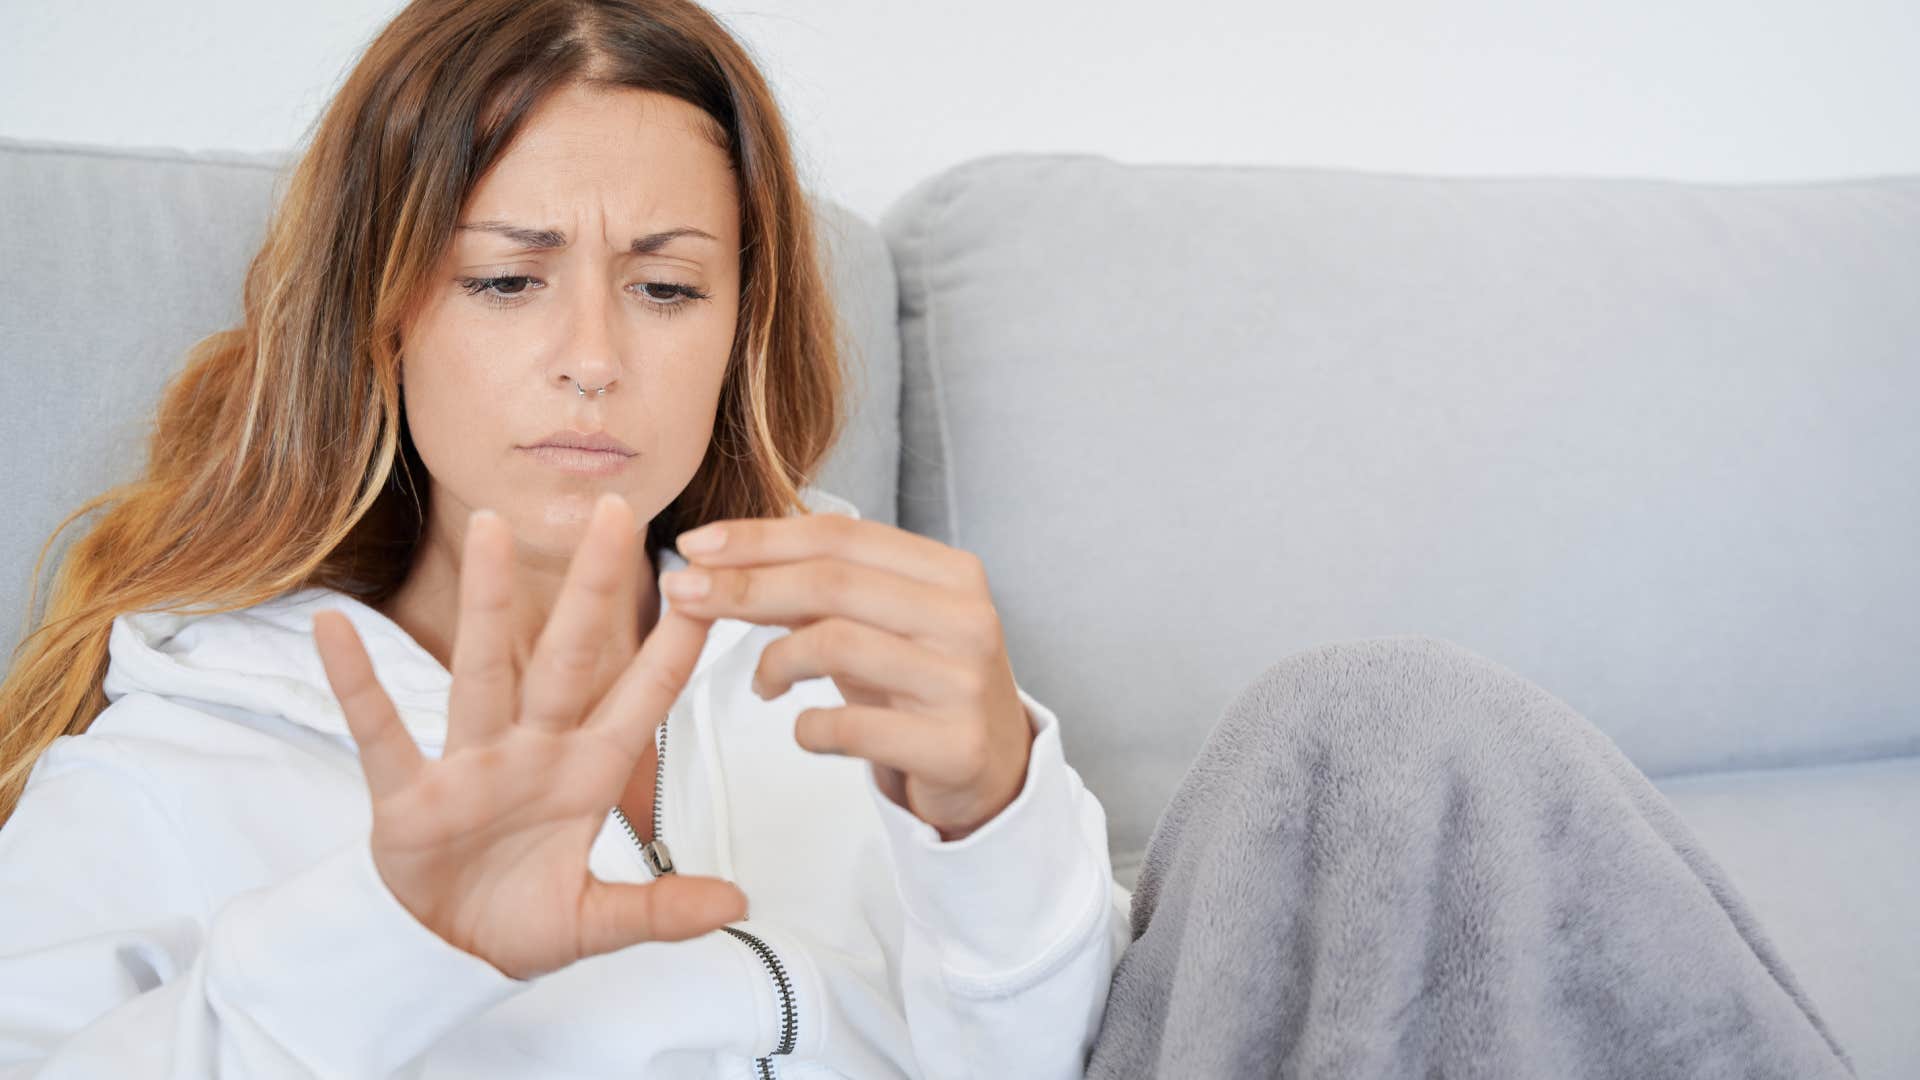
<point>112,963</point>
<point>1012,932</point>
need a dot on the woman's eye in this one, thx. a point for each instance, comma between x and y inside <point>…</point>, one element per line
<point>500,291</point>
<point>506,290</point>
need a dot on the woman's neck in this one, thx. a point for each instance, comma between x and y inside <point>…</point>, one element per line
<point>427,605</point>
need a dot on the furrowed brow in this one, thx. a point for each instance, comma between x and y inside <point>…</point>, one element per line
<point>531,239</point>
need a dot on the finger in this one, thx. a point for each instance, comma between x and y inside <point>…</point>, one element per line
<point>480,705</point>
<point>915,745</point>
<point>756,541</point>
<point>653,679</point>
<point>614,915</point>
<point>562,677</point>
<point>623,633</point>
<point>857,652</point>
<point>797,593</point>
<point>388,755</point>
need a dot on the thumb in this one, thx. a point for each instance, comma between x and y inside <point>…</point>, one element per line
<point>614,915</point>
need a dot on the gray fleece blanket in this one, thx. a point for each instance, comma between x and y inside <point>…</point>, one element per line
<point>1394,858</point>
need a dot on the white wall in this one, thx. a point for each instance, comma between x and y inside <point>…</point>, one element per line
<point>883,92</point>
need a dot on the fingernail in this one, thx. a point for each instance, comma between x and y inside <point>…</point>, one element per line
<point>703,539</point>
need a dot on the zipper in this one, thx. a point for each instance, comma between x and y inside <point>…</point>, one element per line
<point>659,860</point>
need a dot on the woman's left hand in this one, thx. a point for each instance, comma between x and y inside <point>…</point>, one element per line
<point>905,627</point>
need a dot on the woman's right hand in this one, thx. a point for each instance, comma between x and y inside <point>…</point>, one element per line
<point>487,846</point>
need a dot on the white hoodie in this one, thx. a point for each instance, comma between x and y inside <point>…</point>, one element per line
<point>187,890</point>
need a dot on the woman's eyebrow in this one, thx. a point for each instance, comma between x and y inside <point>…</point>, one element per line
<point>530,239</point>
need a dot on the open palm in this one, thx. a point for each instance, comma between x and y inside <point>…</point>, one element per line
<point>487,846</point>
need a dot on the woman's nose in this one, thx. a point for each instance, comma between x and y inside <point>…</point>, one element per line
<point>591,340</point>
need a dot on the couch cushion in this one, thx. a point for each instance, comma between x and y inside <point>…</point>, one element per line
<point>1650,444</point>
<point>1825,857</point>
<point>114,261</point>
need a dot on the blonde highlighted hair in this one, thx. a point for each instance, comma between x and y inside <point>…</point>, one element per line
<point>279,457</point>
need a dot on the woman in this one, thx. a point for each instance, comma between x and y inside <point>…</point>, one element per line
<point>544,274</point>
<point>357,743</point>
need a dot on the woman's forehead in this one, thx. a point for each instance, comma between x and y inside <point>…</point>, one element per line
<point>636,158</point>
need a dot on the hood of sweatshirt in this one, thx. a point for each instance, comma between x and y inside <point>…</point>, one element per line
<point>261,660</point>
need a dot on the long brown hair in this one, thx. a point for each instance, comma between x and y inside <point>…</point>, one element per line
<point>279,456</point>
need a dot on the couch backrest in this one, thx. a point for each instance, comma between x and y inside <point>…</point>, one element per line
<point>1653,445</point>
<point>114,261</point>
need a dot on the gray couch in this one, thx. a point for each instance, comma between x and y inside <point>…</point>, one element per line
<point>1654,445</point>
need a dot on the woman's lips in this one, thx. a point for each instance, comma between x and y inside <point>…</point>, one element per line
<point>575,460</point>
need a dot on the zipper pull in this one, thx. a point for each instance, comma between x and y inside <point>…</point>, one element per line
<point>659,859</point>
